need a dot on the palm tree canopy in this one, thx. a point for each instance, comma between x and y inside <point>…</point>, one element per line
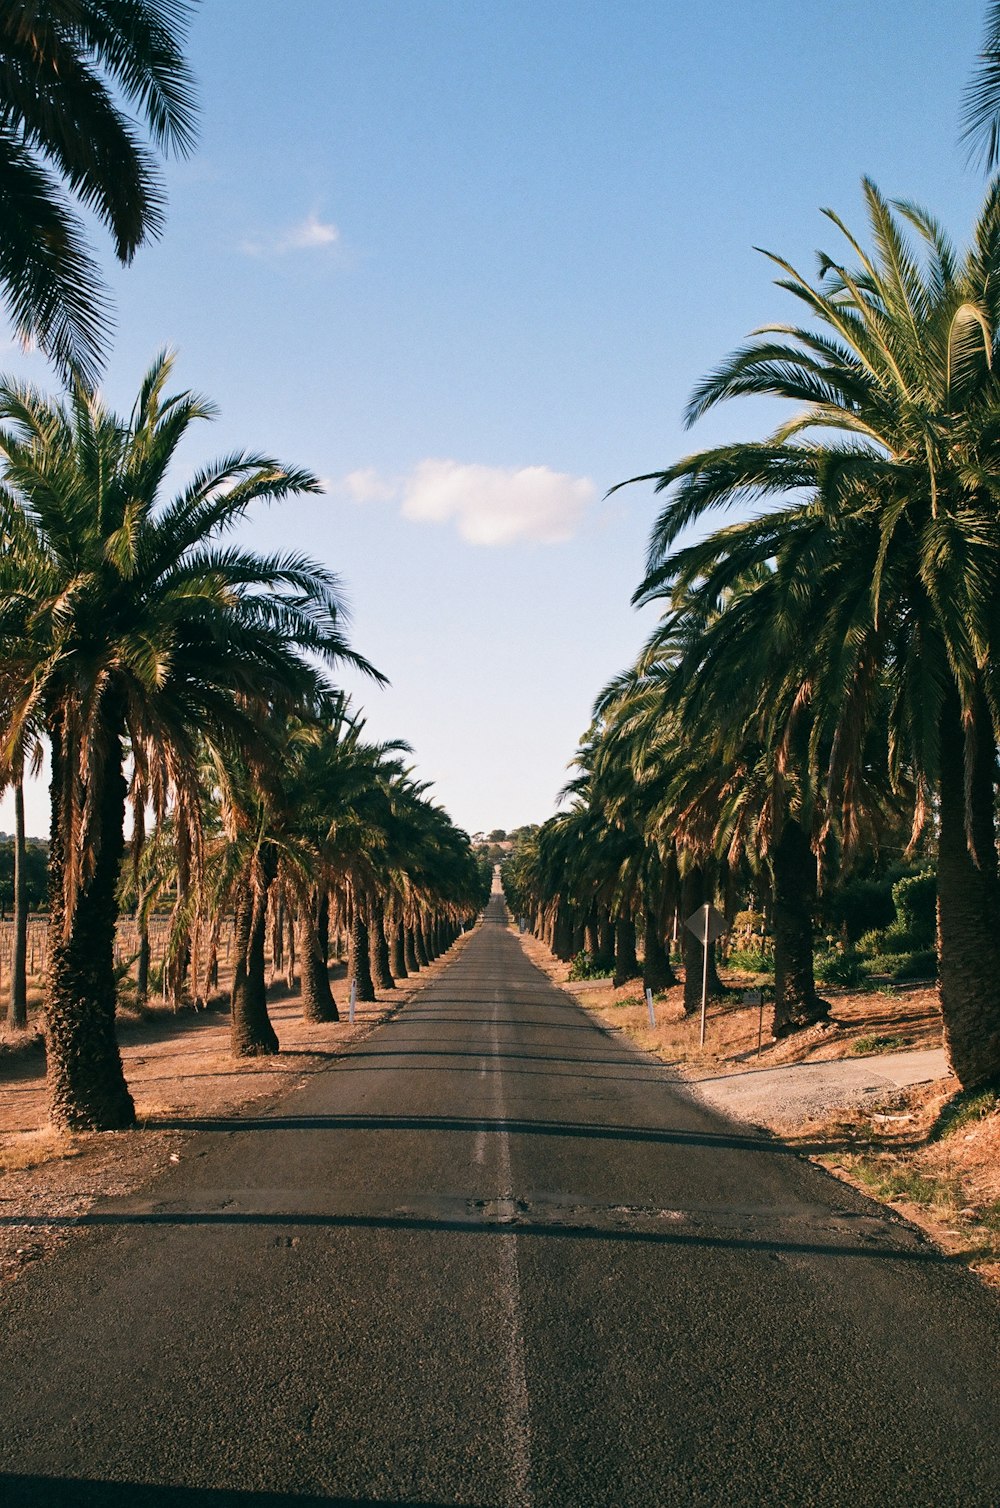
<point>117,605</point>
<point>981,103</point>
<point>880,493</point>
<point>66,66</point>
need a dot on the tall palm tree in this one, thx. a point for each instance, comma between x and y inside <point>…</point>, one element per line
<point>66,68</point>
<point>133,628</point>
<point>887,479</point>
<point>24,755</point>
<point>263,849</point>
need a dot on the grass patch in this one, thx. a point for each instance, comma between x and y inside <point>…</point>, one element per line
<point>31,1149</point>
<point>965,1110</point>
<point>872,1042</point>
<point>901,1182</point>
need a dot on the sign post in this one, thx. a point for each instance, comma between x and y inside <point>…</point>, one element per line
<point>353,1001</point>
<point>649,1006</point>
<point>756,997</point>
<point>707,924</point>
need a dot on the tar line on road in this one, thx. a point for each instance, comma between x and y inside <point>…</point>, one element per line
<point>495,1256</point>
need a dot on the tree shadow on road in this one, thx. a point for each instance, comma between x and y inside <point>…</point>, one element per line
<point>588,1130</point>
<point>76,1492</point>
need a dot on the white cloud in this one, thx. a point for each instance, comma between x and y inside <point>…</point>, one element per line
<point>306,236</point>
<point>311,232</point>
<point>489,505</point>
<point>366,486</point>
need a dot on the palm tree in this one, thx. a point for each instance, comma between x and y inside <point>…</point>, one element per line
<point>132,628</point>
<point>17,1014</point>
<point>263,849</point>
<point>320,792</point>
<point>981,105</point>
<point>65,68</point>
<point>888,483</point>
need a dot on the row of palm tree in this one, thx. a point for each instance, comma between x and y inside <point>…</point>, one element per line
<point>69,70</point>
<point>826,665</point>
<point>169,671</point>
<point>185,676</point>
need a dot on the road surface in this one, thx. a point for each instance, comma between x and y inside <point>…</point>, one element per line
<point>496,1257</point>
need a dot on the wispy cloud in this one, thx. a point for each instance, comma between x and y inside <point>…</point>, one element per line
<point>367,486</point>
<point>489,505</point>
<point>308,235</point>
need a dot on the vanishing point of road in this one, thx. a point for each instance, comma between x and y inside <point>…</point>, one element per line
<point>496,1256</point>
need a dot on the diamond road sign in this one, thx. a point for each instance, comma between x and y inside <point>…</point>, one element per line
<point>716,923</point>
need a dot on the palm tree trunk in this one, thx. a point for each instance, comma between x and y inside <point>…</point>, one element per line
<point>142,965</point>
<point>562,932</point>
<point>793,866</point>
<point>358,966</point>
<point>277,940</point>
<point>177,964</point>
<point>626,963</point>
<point>428,939</point>
<point>291,960</point>
<point>318,1003</point>
<point>418,946</point>
<point>604,958</point>
<point>251,1032</point>
<point>969,901</point>
<point>397,951</point>
<point>410,950</point>
<point>18,1014</point>
<point>378,948</point>
<point>694,894</point>
<point>657,973</point>
<point>85,1075</point>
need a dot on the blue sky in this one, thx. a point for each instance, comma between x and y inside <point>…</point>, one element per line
<point>466,261</point>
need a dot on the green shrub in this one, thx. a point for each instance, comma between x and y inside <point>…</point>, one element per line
<point>583,967</point>
<point>873,942</point>
<point>859,905</point>
<point>840,968</point>
<point>892,941</point>
<point>918,964</point>
<point>751,960</point>
<point>915,900</point>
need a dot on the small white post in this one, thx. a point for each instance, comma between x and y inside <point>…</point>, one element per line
<point>649,1006</point>
<point>353,1000</point>
<point>704,976</point>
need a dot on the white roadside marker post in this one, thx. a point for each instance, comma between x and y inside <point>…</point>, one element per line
<point>649,1007</point>
<point>704,977</point>
<point>353,1001</point>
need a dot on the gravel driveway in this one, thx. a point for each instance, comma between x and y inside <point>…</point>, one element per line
<point>781,1096</point>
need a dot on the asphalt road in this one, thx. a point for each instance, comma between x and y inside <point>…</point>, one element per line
<point>496,1257</point>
